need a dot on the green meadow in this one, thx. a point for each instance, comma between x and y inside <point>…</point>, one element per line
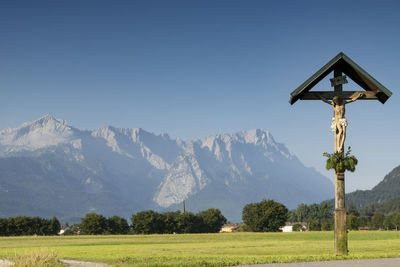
<point>205,249</point>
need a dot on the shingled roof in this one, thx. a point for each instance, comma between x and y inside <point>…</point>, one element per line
<point>352,70</point>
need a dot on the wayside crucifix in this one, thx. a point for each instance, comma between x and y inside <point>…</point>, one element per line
<point>338,100</point>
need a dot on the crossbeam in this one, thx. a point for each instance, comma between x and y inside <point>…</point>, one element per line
<point>345,95</point>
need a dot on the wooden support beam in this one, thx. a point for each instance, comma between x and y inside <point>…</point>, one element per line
<point>341,247</point>
<point>340,232</point>
<point>345,95</point>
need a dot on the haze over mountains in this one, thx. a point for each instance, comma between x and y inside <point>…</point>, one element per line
<point>49,168</point>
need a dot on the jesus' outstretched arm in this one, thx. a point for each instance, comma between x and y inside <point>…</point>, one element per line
<point>324,99</point>
<point>354,98</point>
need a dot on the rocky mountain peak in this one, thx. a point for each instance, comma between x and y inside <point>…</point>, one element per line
<point>46,131</point>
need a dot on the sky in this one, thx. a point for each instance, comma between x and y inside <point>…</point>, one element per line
<point>197,68</point>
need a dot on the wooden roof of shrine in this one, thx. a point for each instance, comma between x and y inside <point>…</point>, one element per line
<point>351,69</point>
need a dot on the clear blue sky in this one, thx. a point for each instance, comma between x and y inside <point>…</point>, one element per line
<point>196,68</point>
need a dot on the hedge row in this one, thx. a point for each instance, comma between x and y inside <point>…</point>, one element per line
<point>23,225</point>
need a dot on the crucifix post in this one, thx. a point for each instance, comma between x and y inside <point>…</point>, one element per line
<point>340,208</point>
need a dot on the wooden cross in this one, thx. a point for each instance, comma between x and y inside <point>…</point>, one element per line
<point>338,99</point>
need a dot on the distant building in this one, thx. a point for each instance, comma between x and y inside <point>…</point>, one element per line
<point>62,231</point>
<point>289,226</point>
<point>229,228</point>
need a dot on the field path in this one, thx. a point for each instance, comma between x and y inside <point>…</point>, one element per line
<point>4,263</point>
<point>390,262</point>
<point>72,263</point>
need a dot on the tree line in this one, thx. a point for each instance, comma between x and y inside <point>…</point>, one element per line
<point>152,222</point>
<point>23,225</point>
<point>144,222</point>
<point>264,216</point>
<point>388,221</point>
<point>320,217</point>
<point>317,216</point>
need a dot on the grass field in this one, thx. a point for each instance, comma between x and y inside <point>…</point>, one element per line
<point>205,249</point>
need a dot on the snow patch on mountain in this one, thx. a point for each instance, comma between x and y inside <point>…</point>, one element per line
<point>44,132</point>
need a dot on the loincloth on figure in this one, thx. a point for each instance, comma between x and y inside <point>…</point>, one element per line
<point>342,122</point>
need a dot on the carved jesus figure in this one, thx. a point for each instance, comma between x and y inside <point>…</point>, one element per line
<point>339,122</point>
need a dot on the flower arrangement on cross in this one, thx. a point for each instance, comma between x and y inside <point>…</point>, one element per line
<point>340,161</point>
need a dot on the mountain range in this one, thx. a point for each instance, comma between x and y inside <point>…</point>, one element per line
<point>49,168</point>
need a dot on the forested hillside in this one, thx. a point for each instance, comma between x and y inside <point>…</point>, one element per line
<point>384,197</point>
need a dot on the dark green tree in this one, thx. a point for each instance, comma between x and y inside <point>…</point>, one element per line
<point>351,209</point>
<point>171,222</point>
<point>94,224</point>
<point>365,221</point>
<point>53,227</point>
<point>314,225</point>
<point>117,225</point>
<point>388,222</point>
<point>302,212</point>
<point>292,216</point>
<point>325,210</point>
<point>21,225</point>
<point>314,211</point>
<point>211,220</point>
<point>327,224</point>
<point>4,227</point>
<point>264,216</point>
<point>353,222</point>
<point>396,219</point>
<point>148,222</point>
<point>189,223</point>
<point>377,221</point>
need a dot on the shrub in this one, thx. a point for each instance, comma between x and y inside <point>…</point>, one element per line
<point>265,216</point>
<point>117,225</point>
<point>93,224</point>
<point>212,220</point>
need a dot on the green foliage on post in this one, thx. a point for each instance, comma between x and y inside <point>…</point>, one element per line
<point>339,161</point>
<point>265,216</point>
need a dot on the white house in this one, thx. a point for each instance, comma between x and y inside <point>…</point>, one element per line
<point>289,226</point>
